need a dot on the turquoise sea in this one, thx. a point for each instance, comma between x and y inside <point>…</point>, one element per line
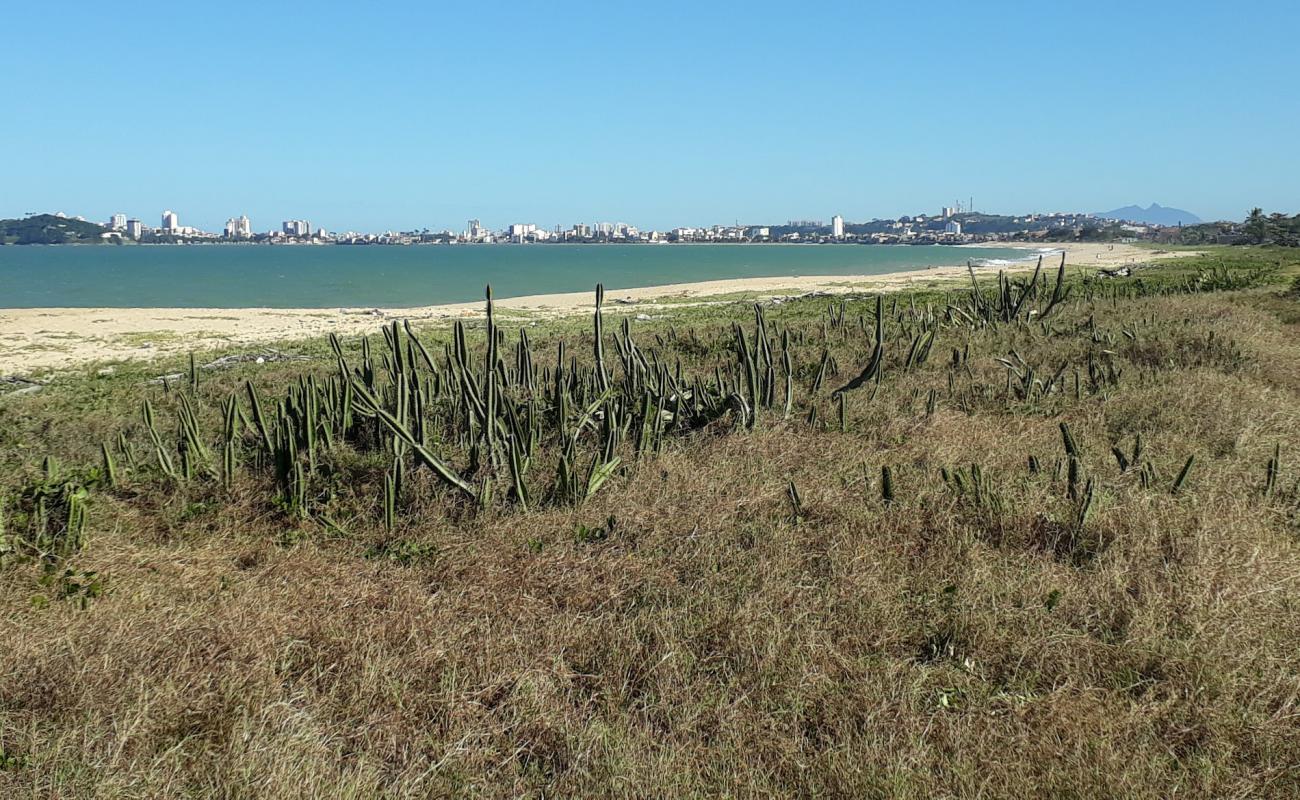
<point>250,276</point>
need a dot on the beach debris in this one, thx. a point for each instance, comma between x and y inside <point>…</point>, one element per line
<point>644,317</point>
<point>789,298</point>
<point>271,356</point>
<point>257,358</point>
<point>24,385</point>
<point>33,389</point>
<point>1122,272</point>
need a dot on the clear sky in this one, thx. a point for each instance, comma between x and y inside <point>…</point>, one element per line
<point>407,115</point>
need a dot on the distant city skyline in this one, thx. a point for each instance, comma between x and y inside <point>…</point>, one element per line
<point>242,227</point>
<point>663,114</point>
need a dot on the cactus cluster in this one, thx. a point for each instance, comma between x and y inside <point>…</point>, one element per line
<point>478,419</point>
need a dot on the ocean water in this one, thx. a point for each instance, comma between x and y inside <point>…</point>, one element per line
<point>252,276</point>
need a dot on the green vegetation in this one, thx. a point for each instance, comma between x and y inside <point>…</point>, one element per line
<point>49,229</point>
<point>1275,228</point>
<point>1257,229</point>
<point>1031,536</point>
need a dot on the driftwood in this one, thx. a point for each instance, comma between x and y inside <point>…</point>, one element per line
<point>21,385</point>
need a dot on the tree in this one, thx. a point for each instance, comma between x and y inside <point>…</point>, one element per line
<point>1257,226</point>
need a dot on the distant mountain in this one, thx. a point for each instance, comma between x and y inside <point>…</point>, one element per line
<point>49,229</point>
<point>1155,215</point>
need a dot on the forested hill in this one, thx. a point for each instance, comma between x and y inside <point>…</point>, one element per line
<point>49,229</point>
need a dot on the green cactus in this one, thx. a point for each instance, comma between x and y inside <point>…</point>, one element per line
<point>109,468</point>
<point>1182,475</point>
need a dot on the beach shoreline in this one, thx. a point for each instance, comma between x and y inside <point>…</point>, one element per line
<point>36,340</point>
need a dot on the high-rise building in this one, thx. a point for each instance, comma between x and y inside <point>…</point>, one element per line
<point>134,228</point>
<point>476,231</point>
<point>296,227</point>
<point>239,228</point>
<point>837,226</point>
<point>117,222</point>
<point>953,228</point>
<point>170,221</point>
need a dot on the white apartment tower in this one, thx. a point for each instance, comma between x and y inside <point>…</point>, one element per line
<point>170,222</point>
<point>134,228</point>
<point>837,226</point>
<point>117,222</point>
<point>520,231</point>
<point>239,228</point>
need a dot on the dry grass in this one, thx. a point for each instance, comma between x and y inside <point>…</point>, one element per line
<point>713,642</point>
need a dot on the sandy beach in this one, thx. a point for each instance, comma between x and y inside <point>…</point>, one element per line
<point>34,341</point>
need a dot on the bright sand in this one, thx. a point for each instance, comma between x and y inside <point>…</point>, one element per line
<point>34,340</point>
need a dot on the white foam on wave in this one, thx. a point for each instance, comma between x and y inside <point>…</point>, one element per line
<point>1032,254</point>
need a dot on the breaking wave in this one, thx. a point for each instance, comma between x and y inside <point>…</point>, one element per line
<point>1031,255</point>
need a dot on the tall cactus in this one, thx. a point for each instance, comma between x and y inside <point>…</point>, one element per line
<point>598,326</point>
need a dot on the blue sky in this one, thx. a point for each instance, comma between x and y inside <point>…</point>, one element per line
<point>410,115</point>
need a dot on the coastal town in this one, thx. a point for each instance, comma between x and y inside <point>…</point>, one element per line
<point>955,224</point>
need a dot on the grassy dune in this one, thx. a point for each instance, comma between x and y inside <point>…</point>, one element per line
<point>1050,548</point>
